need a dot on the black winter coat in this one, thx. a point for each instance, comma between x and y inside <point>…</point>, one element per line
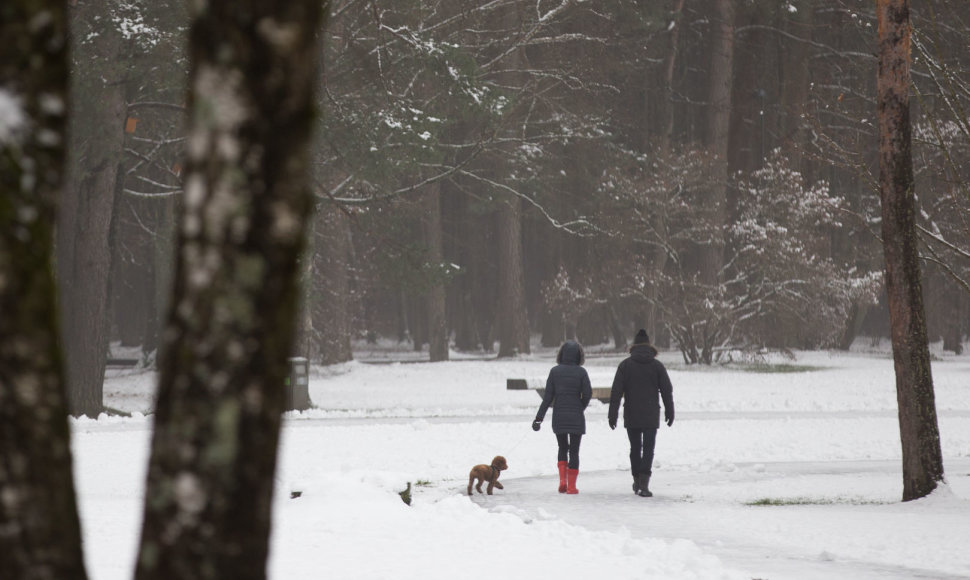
<point>568,390</point>
<point>642,380</point>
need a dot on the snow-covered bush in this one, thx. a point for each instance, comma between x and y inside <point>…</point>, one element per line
<point>777,285</point>
<point>782,274</point>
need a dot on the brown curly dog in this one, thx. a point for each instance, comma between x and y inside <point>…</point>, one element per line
<point>487,473</point>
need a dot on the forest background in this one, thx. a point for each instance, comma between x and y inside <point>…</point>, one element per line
<point>490,172</point>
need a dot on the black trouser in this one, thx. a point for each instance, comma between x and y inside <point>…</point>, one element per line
<point>569,447</point>
<point>642,442</point>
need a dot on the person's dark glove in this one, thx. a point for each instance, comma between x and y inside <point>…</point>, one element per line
<point>669,416</point>
<point>536,424</point>
<point>612,423</point>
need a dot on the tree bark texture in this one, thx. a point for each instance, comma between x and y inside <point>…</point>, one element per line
<point>231,324</point>
<point>40,534</point>
<point>919,432</point>
<point>83,232</point>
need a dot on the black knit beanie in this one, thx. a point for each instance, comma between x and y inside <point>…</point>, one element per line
<point>641,337</point>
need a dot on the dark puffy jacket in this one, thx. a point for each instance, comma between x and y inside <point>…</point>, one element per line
<point>642,380</point>
<point>568,391</point>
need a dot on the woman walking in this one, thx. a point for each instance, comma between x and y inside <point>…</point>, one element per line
<point>568,391</point>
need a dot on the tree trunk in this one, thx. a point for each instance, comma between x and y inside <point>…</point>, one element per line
<point>513,321</point>
<point>795,84</point>
<point>305,342</point>
<point>485,283</point>
<point>83,232</point>
<point>474,282</point>
<point>853,324</point>
<point>333,306</point>
<point>330,302</point>
<point>224,355</point>
<point>619,338</point>
<point>162,271</point>
<point>919,433</point>
<point>652,324</point>
<point>40,534</point>
<point>955,325</point>
<point>711,251</point>
<point>131,277</point>
<point>718,134</point>
<point>437,321</point>
<point>551,327</point>
<point>512,312</point>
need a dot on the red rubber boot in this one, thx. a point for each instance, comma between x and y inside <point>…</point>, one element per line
<point>562,476</point>
<point>571,475</point>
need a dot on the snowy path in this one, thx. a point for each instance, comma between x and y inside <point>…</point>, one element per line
<point>769,542</point>
<point>825,443</point>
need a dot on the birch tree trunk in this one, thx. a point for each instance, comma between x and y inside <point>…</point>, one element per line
<point>231,325</point>
<point>40,535</point>
<point>919,433</point>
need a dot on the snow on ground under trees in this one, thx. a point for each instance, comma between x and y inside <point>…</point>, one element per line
<point>763,475</point>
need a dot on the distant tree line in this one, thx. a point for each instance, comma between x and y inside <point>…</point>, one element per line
<point>490,172</point>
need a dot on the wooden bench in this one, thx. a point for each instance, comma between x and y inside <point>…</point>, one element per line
<point>601,394</point>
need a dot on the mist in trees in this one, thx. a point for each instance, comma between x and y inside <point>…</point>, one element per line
<point>488,176</point>
<point>473,158</point>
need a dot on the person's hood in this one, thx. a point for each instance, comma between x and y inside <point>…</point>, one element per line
<point>643,353</point>
<point>570,353</point>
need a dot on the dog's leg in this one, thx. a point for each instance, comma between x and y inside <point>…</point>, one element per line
<point>471,480</point>
<point>498,485</point>
<point>479,485</point>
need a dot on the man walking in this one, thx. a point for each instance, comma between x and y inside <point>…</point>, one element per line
<point>643,381</point>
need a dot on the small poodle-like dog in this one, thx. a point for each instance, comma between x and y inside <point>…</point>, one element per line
<point>487,473</point>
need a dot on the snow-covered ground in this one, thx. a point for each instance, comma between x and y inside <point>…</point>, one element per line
<point>763,475</point>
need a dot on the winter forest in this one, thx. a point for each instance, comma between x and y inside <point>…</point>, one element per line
<point>486,177</point>
<point>488,172</point>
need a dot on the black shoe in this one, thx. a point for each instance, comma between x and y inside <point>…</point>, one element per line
<point>636,484</point>
<point>644,485</point>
